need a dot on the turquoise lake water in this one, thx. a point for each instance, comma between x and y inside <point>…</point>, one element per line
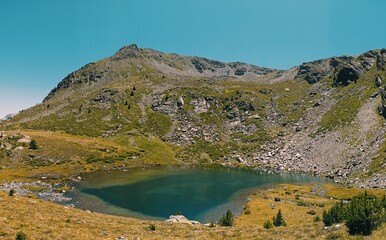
<point>199,194</point>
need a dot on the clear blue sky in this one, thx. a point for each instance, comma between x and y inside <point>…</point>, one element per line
<point>41,41</point>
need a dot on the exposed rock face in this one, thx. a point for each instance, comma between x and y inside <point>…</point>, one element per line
<point>8,117</point>
<point>314,71</point>
<point>346,75</point>
<point>348,70</point>
<point>344,70</point>
<point>86,75</point>
<point>240,71</point>
<point>200,105</point>
<point>383,106</point>
<point>166,106</point>
<point>105,98</point>
<point>378,81</point>
<point>381,60</point>
<point>130,51</point>
<point>202,64</point>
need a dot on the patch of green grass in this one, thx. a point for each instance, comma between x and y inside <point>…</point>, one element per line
<point>157,123</point>
<point>155,150</point>
<point>211,119</point>
<point>114,158</point>
<point>200,149</point>
<point>82,115</point>
<point>35,189</point>
<point>289,99</point>
<point>258,137</point>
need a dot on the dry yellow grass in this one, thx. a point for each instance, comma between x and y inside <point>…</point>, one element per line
<point>45,220</point>
<point>343,192</point>
<point>263,206</point>
<point>300,224</point>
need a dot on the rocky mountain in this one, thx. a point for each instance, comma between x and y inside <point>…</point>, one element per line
<point>324,117</point>
<point>8,116</point>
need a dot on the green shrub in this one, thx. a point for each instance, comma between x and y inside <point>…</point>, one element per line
<point>21,236</point>
<point>33,144</point>
<point>317,218</point>
<point>303,204</point>
<point>335,215</point>
<point>268,225</point>
<point>278,220</point>
<point>311,212</point>
<point>246,209</point>
<point>157,123</point>
<point>362,215</point>
<point>227,219</point>
<point>212,225</point>
<point>152,227</point>
<point>12,192</point>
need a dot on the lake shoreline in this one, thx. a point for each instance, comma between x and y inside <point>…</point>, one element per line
<point>250,189</point>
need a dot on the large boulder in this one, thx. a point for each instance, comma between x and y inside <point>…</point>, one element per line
<point>378,81</point>
<point>180,219</point>
<point>381,60</point>
<point>314,71</point>
<point>383,106</point>
<point>347,75</point>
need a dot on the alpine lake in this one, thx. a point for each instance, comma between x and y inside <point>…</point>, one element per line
<point>202,194</point>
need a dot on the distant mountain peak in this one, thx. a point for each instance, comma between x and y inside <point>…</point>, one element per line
<point>8,117</point>
<point>127,52</point>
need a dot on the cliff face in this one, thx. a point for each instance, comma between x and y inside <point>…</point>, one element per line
<point>343,70</point>
<point>322,117</point>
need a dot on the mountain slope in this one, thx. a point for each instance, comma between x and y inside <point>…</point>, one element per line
<point>320,117</point>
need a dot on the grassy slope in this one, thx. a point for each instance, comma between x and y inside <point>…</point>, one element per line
<point>64,155</point>
<point>349,100</point>
<point>80,115</point>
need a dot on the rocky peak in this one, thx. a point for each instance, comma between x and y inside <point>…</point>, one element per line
<point>87,74</point>
<point>314,71</point>
<point>8,117</point>
<point>344,69</point>
<point>130,51</point>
